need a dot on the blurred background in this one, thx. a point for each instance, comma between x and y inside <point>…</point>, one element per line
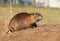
<point>37,3</point>
<point>49,29</point>
<point>50,9</point>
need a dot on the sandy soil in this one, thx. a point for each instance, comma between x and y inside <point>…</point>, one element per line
<point>46,32</point>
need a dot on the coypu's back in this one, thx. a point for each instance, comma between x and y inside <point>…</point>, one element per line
<point>19,16</point>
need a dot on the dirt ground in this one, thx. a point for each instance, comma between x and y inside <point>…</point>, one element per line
<point>48,30</point>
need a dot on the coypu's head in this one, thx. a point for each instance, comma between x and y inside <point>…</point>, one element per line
<point>37,16</point>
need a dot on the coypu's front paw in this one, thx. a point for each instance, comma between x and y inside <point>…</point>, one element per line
<point>34,25</point>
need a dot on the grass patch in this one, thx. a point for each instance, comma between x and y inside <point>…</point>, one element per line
<point>50,15</point>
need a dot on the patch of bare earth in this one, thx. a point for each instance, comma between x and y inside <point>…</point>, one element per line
<point>46,32</point>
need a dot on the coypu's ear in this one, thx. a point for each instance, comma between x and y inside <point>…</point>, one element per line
<point>32,13</point>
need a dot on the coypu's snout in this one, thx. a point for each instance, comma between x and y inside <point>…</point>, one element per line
<point>38,17</point>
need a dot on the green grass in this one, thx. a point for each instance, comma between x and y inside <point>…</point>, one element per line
<point>50,15</point>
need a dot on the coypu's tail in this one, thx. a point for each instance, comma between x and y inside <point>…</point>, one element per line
<point>9,31</point>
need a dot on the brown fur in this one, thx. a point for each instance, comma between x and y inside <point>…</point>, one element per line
<point>22,21</point>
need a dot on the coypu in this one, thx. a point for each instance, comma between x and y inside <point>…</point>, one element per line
<point>24,20</point>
